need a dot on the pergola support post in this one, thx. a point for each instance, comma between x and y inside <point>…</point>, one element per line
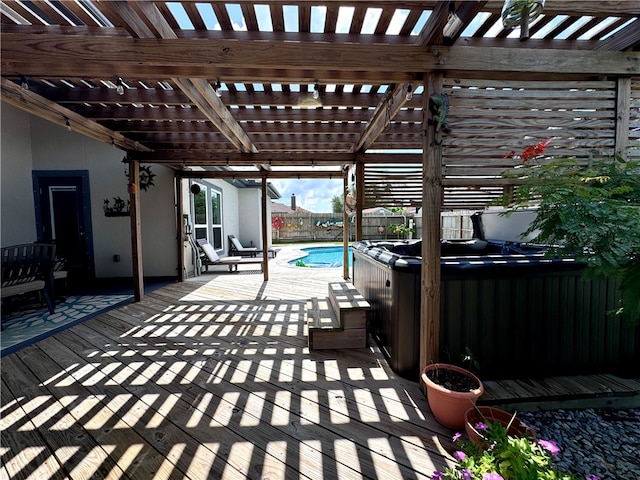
<point>182,274</point>
<point>623,112</point>
<point>431,207</point>
<point>359,199</point>
<point>345,227</point>
<point>265,241</point>
<point>136,231</point>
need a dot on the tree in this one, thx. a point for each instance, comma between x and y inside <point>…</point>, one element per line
<point>336,204</point>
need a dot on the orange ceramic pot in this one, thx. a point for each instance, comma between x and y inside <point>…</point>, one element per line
<point>494,415</point>
<point>449,406</point>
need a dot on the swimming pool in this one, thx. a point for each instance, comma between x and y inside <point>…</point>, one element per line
<point>322,257</point>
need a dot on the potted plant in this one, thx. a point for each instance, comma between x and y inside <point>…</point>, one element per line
<point>506,457</point>
<point>451,390</point>
<point>477,418</point>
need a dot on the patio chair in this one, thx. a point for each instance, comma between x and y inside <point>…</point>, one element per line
<point>210,257</point>
<point>236,248</point>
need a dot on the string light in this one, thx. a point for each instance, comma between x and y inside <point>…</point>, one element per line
<point>316,91</point>
<point>67,124</point>
<point>24,82</point>
<point>409,94</point>
<point>453,22</point>
<point>217,87</point>
<point>113,143</point>
<point>120,86</point>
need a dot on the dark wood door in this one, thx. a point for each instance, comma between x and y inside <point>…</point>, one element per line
<point>62,215</point>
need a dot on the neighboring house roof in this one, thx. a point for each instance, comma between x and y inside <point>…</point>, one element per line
<point>272,191</point>
<point>378,211</point>
<point>280,208</point>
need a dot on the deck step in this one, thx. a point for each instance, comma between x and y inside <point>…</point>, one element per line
<point>320,315</point>
<point>349,306</point>
<point>338,321</point>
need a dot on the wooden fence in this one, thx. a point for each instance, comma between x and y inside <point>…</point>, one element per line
<point>322,227</point>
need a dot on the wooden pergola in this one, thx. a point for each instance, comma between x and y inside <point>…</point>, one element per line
<point>321,89</point>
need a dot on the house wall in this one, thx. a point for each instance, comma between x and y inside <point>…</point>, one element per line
<point>16,194</point>
<point>250,230</point>
<point>31,143</point>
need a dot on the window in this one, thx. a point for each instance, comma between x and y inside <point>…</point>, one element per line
<point>207,210</point>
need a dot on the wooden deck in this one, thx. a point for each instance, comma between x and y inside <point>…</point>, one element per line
<point>212,379</point>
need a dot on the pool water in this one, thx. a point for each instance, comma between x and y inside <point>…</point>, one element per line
<point>323,257</point>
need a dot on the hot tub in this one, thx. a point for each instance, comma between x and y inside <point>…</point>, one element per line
<point>520,313</point>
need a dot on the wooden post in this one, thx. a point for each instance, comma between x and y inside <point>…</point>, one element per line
<point>136,236</point>
<point>345,227</point>
<point>431,207</point>
<point>623,112</point>
<point>182,274</point>
<point>265,241</point>
<point>359,198</point>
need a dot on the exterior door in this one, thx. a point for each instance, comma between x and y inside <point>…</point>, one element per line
<point>63,218</point>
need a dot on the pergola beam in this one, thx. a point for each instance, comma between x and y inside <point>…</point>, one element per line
<point>385,111</point>
<point>39,106</point>
<point>60,55</point>
<point>243,175</point>
<point>198,90</point>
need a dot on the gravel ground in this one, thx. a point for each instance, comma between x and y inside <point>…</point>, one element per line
<point>605,443</point>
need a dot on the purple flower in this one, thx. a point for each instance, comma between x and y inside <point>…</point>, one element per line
<point>466,474</point>
<point>459,455</point>
<point>491,447</point>
<point>550,446</point>
<point>457,436</point>
<point>481,426</point>
<point>437,475</point>
<point>591,477</point>
<point>492,476</point>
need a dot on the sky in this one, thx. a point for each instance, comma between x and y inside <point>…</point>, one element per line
<point>312,194</point>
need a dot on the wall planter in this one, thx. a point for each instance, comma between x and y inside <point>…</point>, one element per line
<point>488,415</point>
<point>451,391</point>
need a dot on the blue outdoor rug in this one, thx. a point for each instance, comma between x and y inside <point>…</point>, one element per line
<point>21,329</point>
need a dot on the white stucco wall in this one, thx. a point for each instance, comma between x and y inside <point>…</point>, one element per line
<point>250,208</point>
<point>16,195</point>
<point>46,146</point>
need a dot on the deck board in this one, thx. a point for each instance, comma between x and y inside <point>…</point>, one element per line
<point>213,378</point>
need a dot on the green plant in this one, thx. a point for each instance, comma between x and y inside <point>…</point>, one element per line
<point>504,457</point>
<point>336,204</point>
<point>591,211</point>
<point>300,263</point>
<point>469,360</point>
<point>401,229</point>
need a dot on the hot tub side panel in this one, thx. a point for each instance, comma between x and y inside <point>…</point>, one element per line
<point>518,321</point>
<point>529,322</point>
<point>394,317</point>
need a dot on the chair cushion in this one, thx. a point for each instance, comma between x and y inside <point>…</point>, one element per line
<point>210,252</point>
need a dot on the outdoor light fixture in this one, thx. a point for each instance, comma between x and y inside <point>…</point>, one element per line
<point>120,86</point>
<point>409,94</point>
<point>519,13</point>
<point>453,22</point>
<point>217,88</point>
<point>310,99</point>
<point>24,82</point>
